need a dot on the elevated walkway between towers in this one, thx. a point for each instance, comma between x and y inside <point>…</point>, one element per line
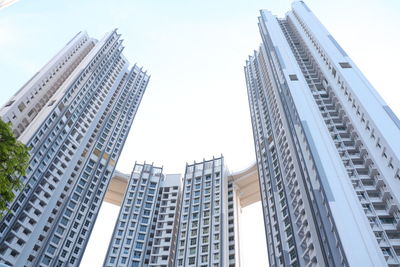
<point>245,182</point>
<point>247,185</point>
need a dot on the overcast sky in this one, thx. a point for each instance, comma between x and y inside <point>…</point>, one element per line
<point>196,103</point>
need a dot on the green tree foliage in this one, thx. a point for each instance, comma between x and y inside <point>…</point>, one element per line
<point>14,159</point>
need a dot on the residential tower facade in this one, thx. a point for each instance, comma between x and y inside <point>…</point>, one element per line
<point>327,149</point>
<point>146,228</point>
<point>75,115</point>
<point>203,233</point>
<point>163,222</point>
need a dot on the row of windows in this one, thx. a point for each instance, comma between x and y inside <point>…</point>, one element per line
<point>342,85</point>
<point>268,129</point>
<point>78,190</point>
<point>153,233</point>
<point>46,83</point>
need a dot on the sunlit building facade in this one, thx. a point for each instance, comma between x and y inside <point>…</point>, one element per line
<point>75,115</point>
<point>327,147</point>
<point>190,222</point>
<point>146,228</point>
<point>163,222</point>
<point>203,232</point>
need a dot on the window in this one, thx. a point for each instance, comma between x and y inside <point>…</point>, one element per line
<point>46,260</point>
<point>21,106</point>
<point>389,220</point>
<point>204,258</point>
<point>51,249</point>
<point>292,254</point>
<point>345,65</point>
<point>56,240</point>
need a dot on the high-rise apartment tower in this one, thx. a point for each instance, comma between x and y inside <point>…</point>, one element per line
<point>327,147</point>
<point>164,223</point>
<point>203,233</point>
<point>75,114</point>
<point>146,228</point>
